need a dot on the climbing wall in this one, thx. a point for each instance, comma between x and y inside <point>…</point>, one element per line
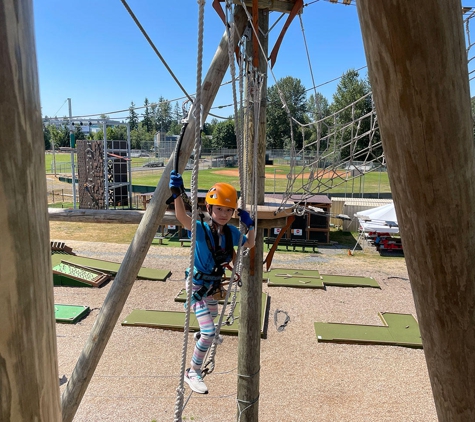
<point>90,163</point>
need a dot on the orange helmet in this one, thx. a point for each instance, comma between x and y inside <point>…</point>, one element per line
<point>222,194</point>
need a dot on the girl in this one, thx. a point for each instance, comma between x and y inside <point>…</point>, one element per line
<point>215,242</point>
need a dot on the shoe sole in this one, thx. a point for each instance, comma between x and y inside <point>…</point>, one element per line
<point>196,391</point>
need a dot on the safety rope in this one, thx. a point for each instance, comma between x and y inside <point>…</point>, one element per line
<point>211,353</point>
<point>196,108</point>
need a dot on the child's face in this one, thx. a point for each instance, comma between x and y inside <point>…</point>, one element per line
<point>221,215</point>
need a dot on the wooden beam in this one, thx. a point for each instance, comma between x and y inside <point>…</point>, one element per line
<point>283,6</point>
<point>418,71</point>
<point>29,388</point>
<point>135,217</point>
<point>137,251</point>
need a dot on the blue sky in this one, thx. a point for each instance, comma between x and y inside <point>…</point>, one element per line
<point>92,52</point>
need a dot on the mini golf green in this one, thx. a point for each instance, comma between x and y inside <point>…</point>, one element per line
<point>110,267</point>
<point>312,279</point>
<point>398,330</point>
<point>173,320</point>
<point>70,314</point>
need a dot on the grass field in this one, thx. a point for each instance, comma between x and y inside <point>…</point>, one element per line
<point>276,178</point>
<point>124,233</point>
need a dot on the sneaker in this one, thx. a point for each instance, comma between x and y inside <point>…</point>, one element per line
<point>195,381</point>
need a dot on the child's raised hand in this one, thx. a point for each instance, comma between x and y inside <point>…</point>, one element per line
<point>245,218</point>
<point>176,183</point>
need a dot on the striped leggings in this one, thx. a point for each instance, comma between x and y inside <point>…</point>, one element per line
<point>205,310</point>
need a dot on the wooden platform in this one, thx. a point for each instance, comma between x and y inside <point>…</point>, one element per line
<point>267,214</point>
<point>284,6</point>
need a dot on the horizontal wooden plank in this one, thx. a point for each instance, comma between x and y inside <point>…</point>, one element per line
<point>267,219</point>
<point>284,6</point>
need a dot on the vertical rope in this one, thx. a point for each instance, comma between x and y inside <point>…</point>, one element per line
<point>210,356</point>
<point>196,109</point>
<point>230,29</point>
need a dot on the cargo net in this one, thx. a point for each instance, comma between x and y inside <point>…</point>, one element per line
<point>347,144</point>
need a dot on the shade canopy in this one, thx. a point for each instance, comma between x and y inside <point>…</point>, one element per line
<point>382,219</point>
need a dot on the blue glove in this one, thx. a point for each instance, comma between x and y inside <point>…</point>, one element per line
<point>245,218</point>
<point>176,183</point>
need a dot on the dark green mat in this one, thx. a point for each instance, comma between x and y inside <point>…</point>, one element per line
<point>312,279</point>
<point>70,314</point>
<point>110,267</point>
<point>398,330</point>
<point>64,280</point>
<point>176,320</point>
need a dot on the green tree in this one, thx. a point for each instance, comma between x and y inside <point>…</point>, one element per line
<point>208,128</point>
<point>47,136</point>
<point>350,108</point>
<point>147,121</point>
<point>176,122</point>
<point>59,135</point>
<point>224,135</point>
<point>133,117</point>
<point>317,109</point>
<point>119,133</point>
<point>140,138</point>
<point>278,119</point>
<point>78,133</point>
<point>164,116</point>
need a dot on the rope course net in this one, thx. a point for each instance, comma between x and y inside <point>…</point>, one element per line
<point>346,144</point>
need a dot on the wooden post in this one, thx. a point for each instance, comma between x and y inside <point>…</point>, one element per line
<point>251,291</point>
<point>114,302</point>
<point>418,70</point>
<point>29,382</point>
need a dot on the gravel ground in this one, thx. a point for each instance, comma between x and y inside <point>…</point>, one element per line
<point>300,379</point>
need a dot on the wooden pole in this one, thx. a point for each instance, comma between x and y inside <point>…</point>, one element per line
<point>251,291</point>
<point>114,302</point>
<point>29,382</point>
<point>418,70</point>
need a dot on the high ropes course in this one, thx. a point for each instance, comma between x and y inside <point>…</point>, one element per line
<point>347,146</point>
<point>346,140</point>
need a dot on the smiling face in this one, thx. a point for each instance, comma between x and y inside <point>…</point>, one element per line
<point>221,215</point>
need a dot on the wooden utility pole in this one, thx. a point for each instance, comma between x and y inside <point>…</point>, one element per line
<point>251,291</point>
<point>29,382</point>
<point>418,70</point>
<point>114,302</point>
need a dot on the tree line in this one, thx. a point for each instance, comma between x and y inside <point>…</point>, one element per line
<point>281,128</point>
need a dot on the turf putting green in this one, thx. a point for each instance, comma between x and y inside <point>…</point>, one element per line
<point>110,267</point>
<point>349,281</point>
<point>70,314</point>
<point>312,279</point>
<point>398,330</point>
<point>172,320</point>
<point>284,277</point>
